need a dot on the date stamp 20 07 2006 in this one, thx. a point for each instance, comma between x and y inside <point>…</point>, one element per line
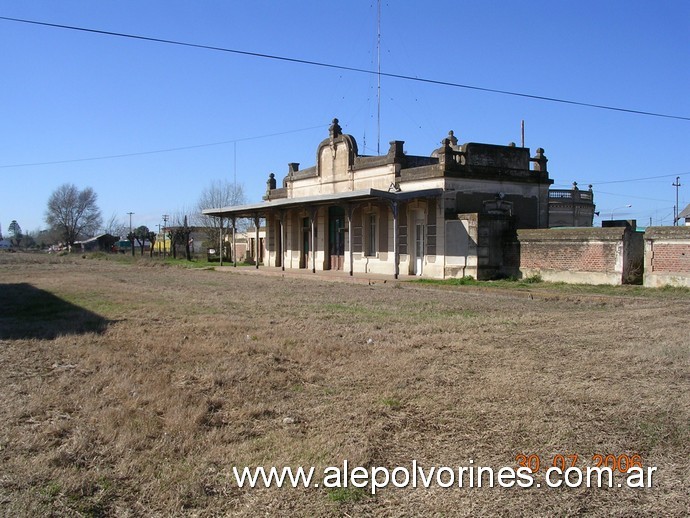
<point>621,463</point>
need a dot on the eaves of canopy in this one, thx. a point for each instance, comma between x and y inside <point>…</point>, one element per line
<point>264,208</point>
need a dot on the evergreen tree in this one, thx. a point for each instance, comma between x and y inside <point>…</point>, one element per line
<point>16,232</point>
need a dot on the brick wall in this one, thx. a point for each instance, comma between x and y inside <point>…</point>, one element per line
<point>671,257</point>
<point>580,255</point>
<point>667,256</point>
<point>585,256</point>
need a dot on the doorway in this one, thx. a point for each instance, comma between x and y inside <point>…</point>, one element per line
<point>418,264</point>
<point>336,238</point>
<point>306,243</point>
<point>279,242</point>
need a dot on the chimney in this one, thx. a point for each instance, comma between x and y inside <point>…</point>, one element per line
<point>396,149</point>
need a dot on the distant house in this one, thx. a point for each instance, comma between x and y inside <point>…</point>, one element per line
<point>100,243</point>
<point>198,241</point>
<point>685,214</point>
<point>236,247</point>
<point>246,245</point>
<point>5,244</point>
<point>122,246</point>
<point>162,244</point>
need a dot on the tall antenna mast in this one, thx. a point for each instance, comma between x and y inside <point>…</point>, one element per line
<point>378,91</point>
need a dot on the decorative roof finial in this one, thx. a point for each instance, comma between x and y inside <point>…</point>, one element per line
<point>335,130</point>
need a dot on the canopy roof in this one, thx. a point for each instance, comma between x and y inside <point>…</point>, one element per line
<point>263,208</point>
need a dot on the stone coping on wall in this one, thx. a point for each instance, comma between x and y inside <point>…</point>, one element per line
<point>572,234</point>
<point>667,233</point>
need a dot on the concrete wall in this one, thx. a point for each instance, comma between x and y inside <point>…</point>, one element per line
<point>667,256</point>
<point>580,255</point>
<point>476,244</point>
<point>461,246</point>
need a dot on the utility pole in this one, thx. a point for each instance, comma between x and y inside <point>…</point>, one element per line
<point>158,240</point>
<point>165,222</point>
<point>676,209</point>
<point>131,240</point>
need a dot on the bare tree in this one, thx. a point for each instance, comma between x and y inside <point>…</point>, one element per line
<point>141,234</point>
<point>131,236</point>
<point>43,238</point>
<point>186,232</point>
<point>220,193</point>
<point>179,232</point>
<point>152,236</point>
<point>73,213</point>
<point>115,227</point>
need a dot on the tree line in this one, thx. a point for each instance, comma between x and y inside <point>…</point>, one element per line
<point>73,214</point>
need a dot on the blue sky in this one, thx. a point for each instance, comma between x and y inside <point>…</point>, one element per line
<point>68,95</point>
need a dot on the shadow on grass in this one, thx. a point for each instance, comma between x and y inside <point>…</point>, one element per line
<point>29,312</point>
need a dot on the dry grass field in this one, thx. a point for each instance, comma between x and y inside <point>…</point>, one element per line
<point>133,389</point>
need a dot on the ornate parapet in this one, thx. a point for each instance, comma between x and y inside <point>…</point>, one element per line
<point>571,207</point>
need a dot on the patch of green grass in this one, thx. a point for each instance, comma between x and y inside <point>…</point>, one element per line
<point>121,258</point>
<point>96,301</point>
<point>291,343</point>
<point>194,263</point>
<point>52,490</point>
<point>97,255</point>
<point>104,483</point>
<point>347,494</point>
<point>532,279</point>
<point>535,282</point>
<point>200,263</point>
<point>663,428</point>
<point>449,313</point>
<point>392,403</point>
<point>674,290</point>
<point>146,259</point>
<point>462,281</point>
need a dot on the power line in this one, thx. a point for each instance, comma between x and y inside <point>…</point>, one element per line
<point>629,196</point>
<point>139,153</point>
<point>640,179</point>
<point>350,69</point>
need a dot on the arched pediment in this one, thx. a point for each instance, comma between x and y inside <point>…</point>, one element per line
<point>335,155</point>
